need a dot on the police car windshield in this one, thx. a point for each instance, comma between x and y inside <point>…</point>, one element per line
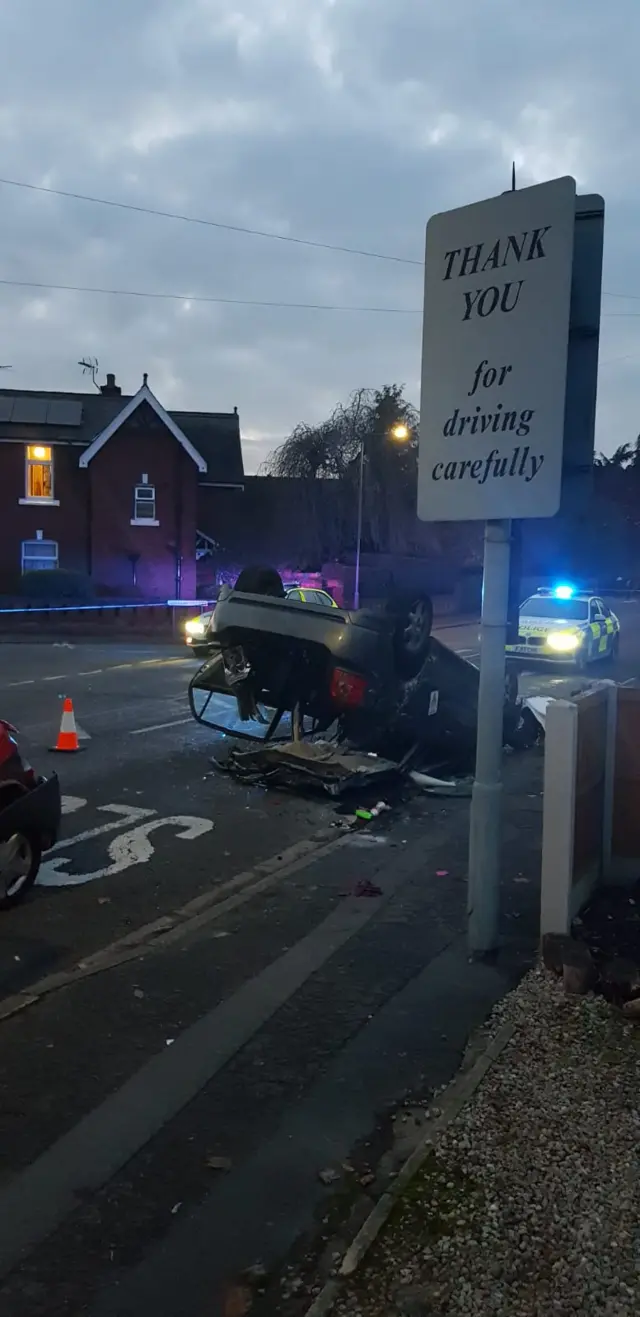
<point>570,610</point>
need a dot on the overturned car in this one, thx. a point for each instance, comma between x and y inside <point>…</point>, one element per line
<point>378,679</point>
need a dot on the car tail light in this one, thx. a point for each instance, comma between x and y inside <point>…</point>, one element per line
<point>347,688</point>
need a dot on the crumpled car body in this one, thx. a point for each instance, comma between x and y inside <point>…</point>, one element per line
<point>311,669</point>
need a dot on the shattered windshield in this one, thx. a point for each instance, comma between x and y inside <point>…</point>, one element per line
<point>561,610</point>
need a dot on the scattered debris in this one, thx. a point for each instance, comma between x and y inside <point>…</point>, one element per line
<point>297,765</point>
<point>137,992</point>
<point>538,704</point>
<point>175,1209</point>
<point>437,786</point>
<point>256,1274</point>
<point>329,1176</point>
<point>219,1163</point>
<point>364,887</point>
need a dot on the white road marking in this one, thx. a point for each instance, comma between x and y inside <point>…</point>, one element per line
<point>71,803</point>
<point>126,814</point>
<point>96,672</point>
<point>129,849</point>
<point>158,727</point>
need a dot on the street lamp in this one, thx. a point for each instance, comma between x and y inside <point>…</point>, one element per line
<point>400,433</point>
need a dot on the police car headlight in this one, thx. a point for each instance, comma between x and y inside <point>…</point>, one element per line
<point>563,641</point>
<point>194,627</point>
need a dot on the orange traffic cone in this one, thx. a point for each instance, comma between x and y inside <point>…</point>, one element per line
<point>68,735</point>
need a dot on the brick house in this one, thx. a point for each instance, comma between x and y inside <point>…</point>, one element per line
<point>110,486</point>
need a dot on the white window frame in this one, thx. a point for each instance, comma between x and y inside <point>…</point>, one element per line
<point>46,500</point>
<point>144,494</point>
<point>28,559</point>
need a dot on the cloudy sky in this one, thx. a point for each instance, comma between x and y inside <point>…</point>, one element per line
<point>346,122</point>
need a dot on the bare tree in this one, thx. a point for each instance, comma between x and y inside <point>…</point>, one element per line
<point>319,455</point>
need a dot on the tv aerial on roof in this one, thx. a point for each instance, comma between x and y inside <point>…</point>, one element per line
<point>90,367</point>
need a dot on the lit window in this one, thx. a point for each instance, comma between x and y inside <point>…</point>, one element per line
<point>39,472</point>
<point>39,555</point>
<point>144,503</point>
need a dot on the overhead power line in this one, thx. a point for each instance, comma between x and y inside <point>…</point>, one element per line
<point>195,297</point>
<point>41,286</point>
<point>208,223</point>
<point>237,228</point>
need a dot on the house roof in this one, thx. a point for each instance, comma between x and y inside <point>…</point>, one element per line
<point>144,394</point>
<point>214,436</point>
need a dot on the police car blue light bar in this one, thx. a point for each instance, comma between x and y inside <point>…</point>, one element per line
<point>564,591</point>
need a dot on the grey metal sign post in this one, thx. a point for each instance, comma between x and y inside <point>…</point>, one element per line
<point>494,367</point>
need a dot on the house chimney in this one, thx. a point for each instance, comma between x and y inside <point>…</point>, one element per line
<point>110,389</point>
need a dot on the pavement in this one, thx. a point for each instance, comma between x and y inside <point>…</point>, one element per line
<point>210,1011</point>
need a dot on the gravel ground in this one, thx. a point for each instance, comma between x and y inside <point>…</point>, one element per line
<point>530,1204</point>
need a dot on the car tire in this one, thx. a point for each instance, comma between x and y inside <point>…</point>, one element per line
<point>413,620</point>
<point>31,849</point>
<point>260,580</point>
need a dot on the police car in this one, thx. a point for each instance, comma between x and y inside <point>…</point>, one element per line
<point>566,626</point>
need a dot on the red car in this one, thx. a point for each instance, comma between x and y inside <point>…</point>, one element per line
<point>30,811</point>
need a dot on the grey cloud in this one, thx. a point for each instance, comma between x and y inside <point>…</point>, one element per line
<point>350,122</point>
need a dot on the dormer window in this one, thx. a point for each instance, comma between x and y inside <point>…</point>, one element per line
<point>39,474</point>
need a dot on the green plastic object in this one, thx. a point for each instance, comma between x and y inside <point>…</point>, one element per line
<point>364,814</point>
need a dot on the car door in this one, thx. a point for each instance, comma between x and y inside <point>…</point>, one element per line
<point>600,640</point>
<point>609,626</point>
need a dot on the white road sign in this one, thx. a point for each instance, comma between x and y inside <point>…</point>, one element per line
<point>494,359</point>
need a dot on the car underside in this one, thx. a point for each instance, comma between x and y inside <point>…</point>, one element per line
<point>377,678</point>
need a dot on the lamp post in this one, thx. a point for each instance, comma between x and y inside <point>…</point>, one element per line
<point>400,432</point>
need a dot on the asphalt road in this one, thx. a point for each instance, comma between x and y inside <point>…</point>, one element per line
<point>143,783</point>
<point>223,1007</point>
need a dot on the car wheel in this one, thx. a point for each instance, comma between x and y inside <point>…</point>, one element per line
<point>412,632</point>
<point>23,855</point>
<point>260,580</point>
